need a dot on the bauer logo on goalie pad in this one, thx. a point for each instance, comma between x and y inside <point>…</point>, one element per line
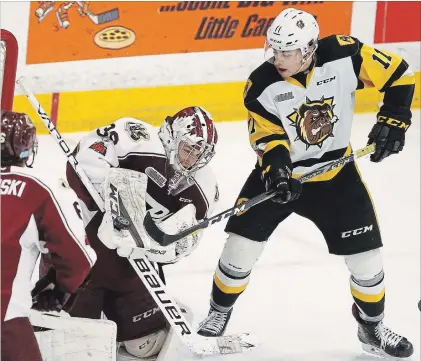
<point>99,147</point>
<point>136,131</point>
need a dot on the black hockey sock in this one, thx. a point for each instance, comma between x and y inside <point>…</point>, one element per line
<point>227,286</point>
<point>369,296</point>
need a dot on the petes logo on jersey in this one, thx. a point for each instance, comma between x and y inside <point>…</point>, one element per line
<point>136,131</point>
<point>314,121</point>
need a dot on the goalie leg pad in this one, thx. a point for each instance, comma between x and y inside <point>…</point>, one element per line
<point>71,338</point>
<point>147,346</point>
<point>367,283</point>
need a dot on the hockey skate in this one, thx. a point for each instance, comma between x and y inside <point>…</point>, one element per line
<point>379,340</point>
<point>215,324</point>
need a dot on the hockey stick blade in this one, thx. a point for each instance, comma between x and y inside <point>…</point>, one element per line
<point>225,345</point>
<point>165,239</point>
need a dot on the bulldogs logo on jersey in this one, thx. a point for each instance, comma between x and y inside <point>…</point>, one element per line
<point>314,121</point>
<point>136,131</point>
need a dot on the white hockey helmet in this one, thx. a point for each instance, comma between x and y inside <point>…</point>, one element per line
<point>189,138</point>
<point>293,29</point>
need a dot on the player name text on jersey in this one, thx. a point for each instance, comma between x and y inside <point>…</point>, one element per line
<point>12,187</point>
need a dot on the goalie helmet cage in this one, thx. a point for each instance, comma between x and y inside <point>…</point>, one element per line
<point>8,64</point>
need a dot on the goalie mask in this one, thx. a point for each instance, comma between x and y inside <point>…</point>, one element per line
<point>189,138</point>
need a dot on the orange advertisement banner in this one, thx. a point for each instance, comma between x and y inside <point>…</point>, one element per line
<point>78,30</point>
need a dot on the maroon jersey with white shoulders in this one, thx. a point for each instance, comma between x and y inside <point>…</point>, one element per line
<point>38,216</point>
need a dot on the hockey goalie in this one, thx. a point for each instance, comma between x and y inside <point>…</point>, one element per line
<point>164,172</point>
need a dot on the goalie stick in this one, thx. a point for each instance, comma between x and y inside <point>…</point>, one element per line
<point>166,239</point>
<point>198,345</point>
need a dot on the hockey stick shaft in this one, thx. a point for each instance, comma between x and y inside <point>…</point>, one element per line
<point>166,239</point>
<point>141,265</point>
<point>62,143</point>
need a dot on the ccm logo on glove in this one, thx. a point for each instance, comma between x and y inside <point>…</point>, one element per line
<point>392,122</point>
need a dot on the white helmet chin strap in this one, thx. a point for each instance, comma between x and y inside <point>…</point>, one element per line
<point>304,61</point>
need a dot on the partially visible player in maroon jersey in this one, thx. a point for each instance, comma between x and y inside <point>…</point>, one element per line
<point>38,216</point>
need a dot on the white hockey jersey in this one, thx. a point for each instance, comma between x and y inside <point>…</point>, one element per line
<point>311,114</point>
<point>38,216</point>
<point>133,144</point>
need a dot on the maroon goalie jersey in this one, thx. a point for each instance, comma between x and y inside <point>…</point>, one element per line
<point>38,216</point>
<point>132,144</point>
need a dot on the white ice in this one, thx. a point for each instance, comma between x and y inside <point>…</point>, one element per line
<point>298,301</point>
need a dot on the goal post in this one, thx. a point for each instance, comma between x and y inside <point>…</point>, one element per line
<point>8,66</point>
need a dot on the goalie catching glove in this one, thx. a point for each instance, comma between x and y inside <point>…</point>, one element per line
<point>126,189</point>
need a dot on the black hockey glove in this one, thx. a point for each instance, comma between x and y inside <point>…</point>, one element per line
<point>276,176</point>
<point>47,295</point>
<point>389,137</point>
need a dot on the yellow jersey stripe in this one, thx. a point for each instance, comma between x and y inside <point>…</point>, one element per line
<point>368,298</point>
<point>260,127</point>
<point>227,289</point>
<point>295,82</point>
<point>328,175</point>
<point>405,80</point>
<point>275,143</point>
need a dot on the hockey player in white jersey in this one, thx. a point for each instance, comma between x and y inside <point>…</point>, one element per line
<point>180,185</point>
<point>38,217</point>
<point>300,103</point>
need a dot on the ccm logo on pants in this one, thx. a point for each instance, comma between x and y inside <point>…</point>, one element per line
<point>356,232</point>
